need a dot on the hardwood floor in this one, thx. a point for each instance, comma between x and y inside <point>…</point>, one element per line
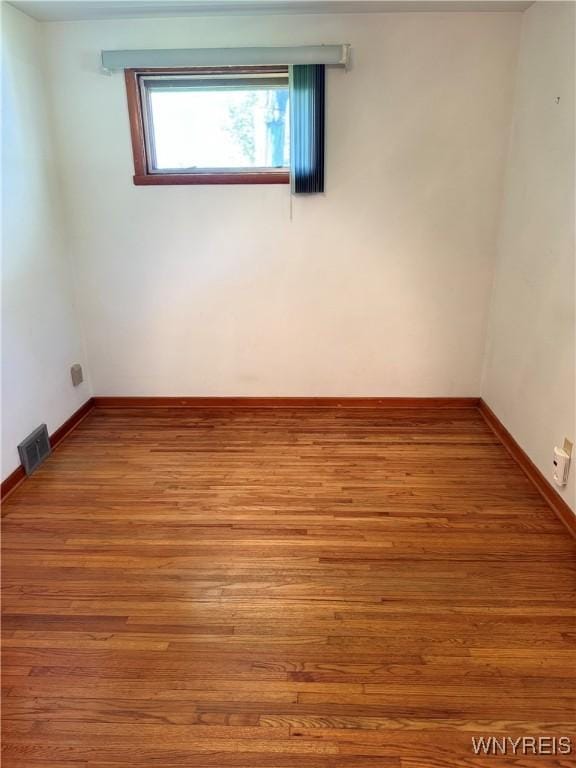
<point>283,588</point>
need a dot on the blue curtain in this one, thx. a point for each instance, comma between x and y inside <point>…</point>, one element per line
<point>307,97</point>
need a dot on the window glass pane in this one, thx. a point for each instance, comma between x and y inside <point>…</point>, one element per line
<point>224,128</point>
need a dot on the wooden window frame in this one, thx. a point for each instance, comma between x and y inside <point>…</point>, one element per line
<point>142,174</point>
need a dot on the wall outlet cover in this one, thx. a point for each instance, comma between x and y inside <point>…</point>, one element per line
<point>76,374</point>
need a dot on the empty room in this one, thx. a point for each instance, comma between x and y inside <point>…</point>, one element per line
<point>288,384</point>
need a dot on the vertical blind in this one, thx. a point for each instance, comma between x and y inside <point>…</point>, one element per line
<point>307,119</point>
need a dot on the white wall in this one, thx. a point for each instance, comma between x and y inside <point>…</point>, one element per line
<point>40,339</point>
<point>381,287</point>
<point>529,375</point>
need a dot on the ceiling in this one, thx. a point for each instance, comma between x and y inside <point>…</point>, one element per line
<point>79,10</point>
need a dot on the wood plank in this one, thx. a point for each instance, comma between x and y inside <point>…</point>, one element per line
<point>264,587</point>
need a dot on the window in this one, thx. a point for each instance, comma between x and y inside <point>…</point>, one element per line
<point>210,125</point>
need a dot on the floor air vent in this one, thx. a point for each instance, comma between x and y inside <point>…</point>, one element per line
<point>34,449</point>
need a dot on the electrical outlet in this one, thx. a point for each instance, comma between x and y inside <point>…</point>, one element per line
<point>562,464</point>
<point>76,374</point>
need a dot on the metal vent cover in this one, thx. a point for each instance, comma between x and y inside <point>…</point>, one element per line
<point>34,449</point>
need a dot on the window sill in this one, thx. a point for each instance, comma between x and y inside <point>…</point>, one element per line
<point>164,179</point>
